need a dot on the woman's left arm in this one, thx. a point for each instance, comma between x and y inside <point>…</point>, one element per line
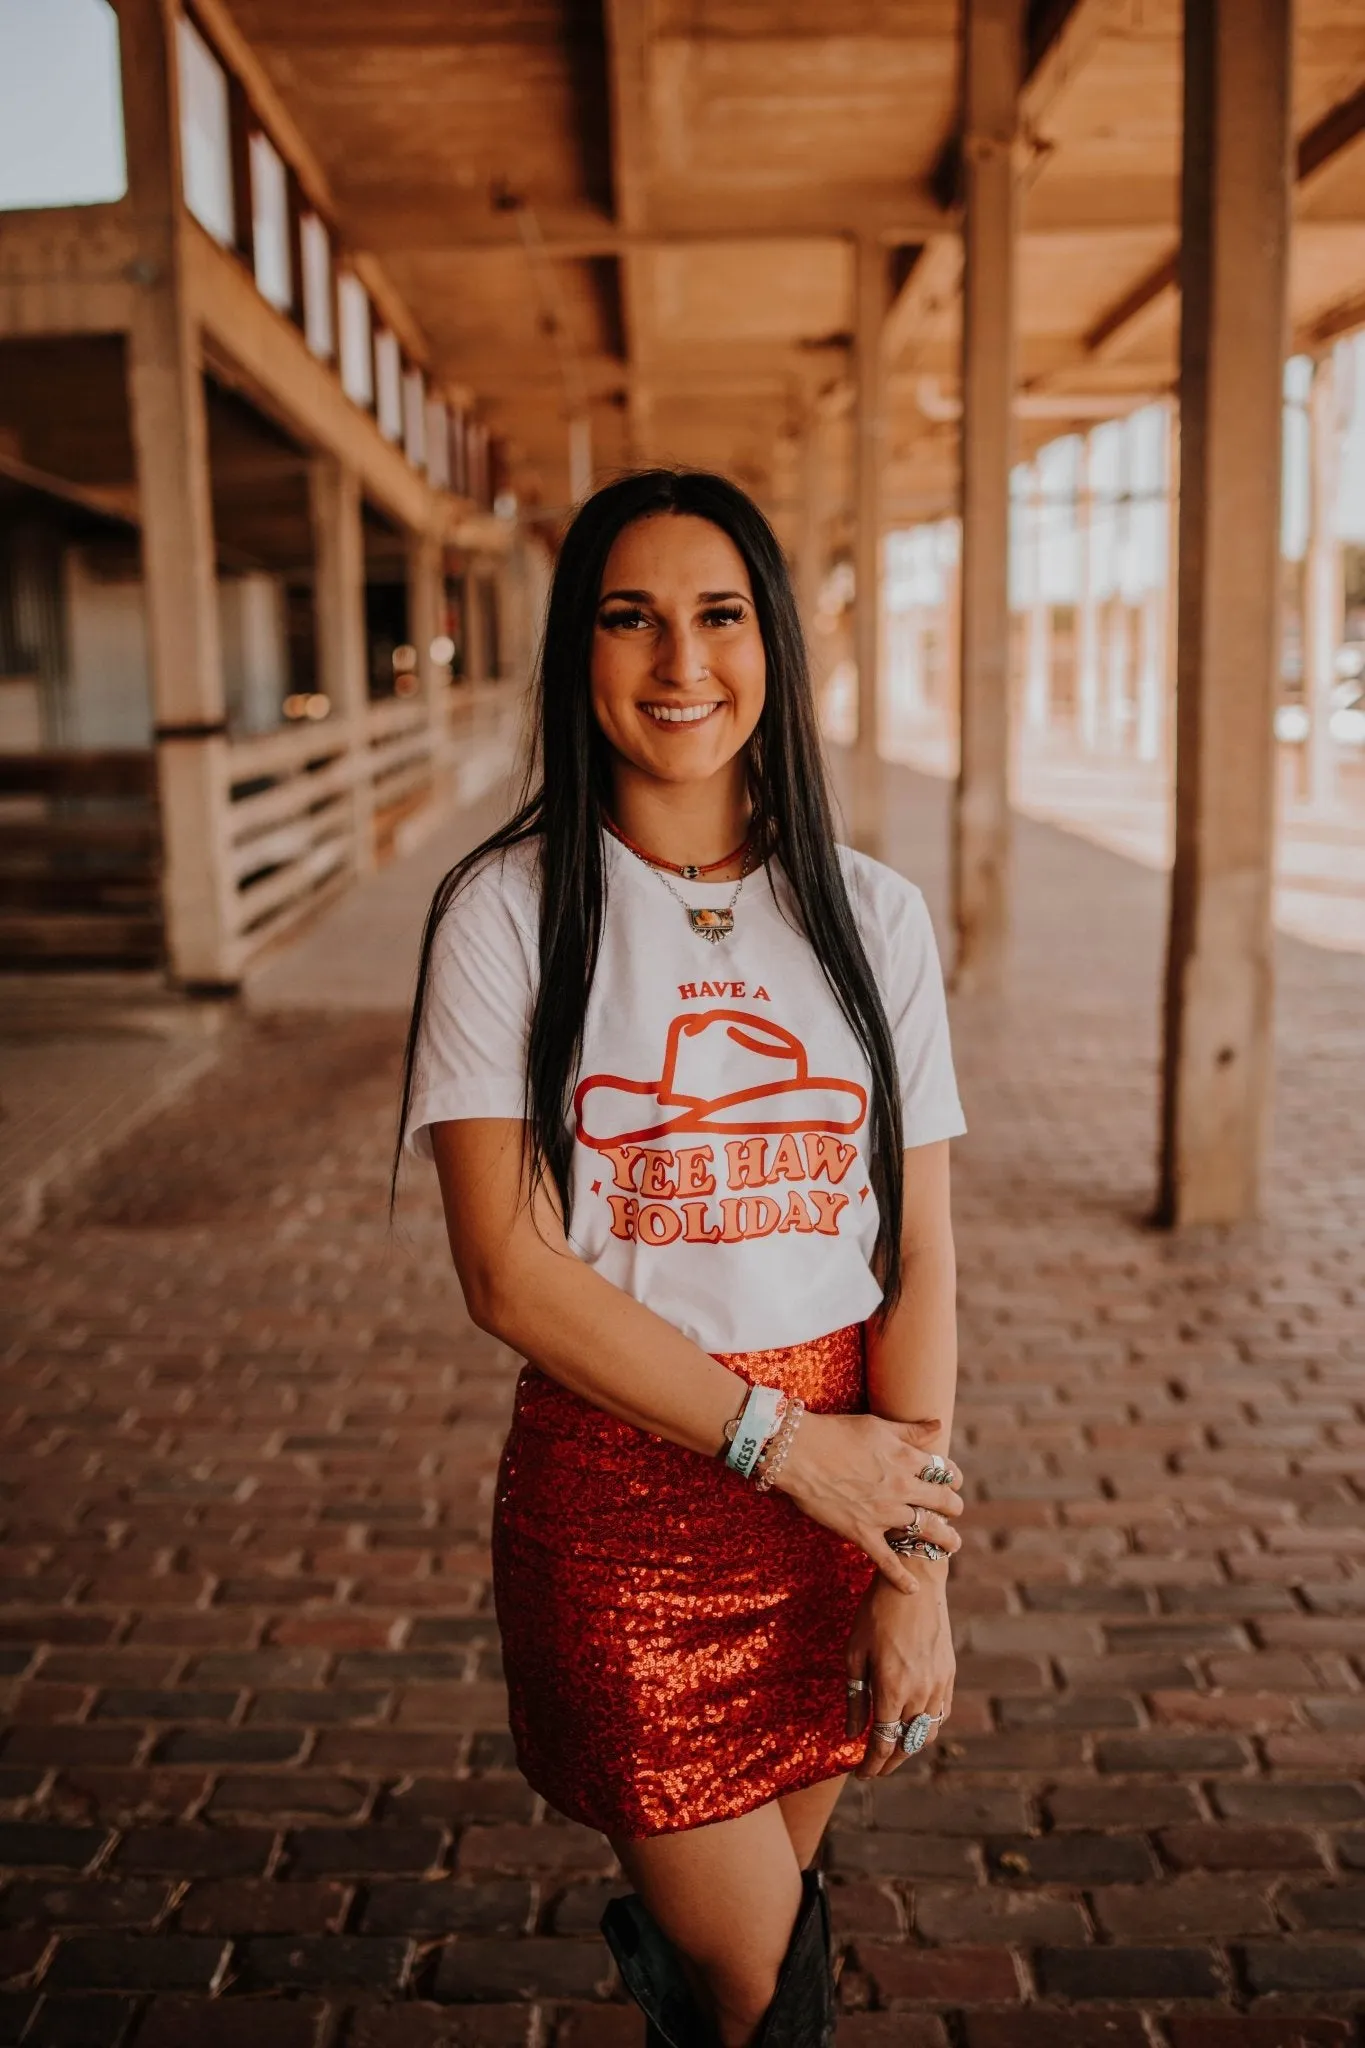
<point>901,1645</point>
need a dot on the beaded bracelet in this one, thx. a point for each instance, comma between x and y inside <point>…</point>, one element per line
<point>775,1455</point>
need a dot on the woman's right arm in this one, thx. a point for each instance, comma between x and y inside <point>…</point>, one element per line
<point>524,1284</point>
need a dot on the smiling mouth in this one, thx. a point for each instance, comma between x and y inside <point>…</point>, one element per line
<point>679,714</point>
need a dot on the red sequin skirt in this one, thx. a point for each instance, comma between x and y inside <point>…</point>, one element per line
<point>673,1639</point>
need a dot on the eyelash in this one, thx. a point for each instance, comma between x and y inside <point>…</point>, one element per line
<point>719,615</point>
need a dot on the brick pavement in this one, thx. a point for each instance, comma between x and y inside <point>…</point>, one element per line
<point>256,1783</point>
<point>85,1059</point>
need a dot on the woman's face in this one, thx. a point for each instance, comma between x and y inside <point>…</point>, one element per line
<point>678,665</point>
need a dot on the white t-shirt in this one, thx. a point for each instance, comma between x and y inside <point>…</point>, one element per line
<point>719,1165</point>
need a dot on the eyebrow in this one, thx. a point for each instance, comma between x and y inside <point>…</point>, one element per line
<point>647,596</point>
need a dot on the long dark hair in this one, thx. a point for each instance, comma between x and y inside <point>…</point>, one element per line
<point>568,789</point>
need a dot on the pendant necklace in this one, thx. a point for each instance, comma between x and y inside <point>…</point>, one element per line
<point>711,925</point>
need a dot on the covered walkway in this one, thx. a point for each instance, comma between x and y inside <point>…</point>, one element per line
<point>258,1785</point>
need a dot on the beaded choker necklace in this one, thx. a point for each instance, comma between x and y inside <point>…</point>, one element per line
<point>691,871</point>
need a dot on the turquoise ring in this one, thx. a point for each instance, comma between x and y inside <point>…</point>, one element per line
<point>918,1731</point>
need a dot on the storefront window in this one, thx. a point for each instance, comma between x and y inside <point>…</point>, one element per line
<point>357,351</point>
<point>205,135</point>
<point>270,224</point>
<point>414,418</point>
<point>317,286</point>
<point>388,365</point>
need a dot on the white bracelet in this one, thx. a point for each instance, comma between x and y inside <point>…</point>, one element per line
<point>756,1423</point>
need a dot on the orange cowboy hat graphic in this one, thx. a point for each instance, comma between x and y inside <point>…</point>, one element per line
<point>772,1089</point>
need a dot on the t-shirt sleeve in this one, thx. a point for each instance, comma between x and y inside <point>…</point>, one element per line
<point>471,1044</point>
<point>917,1012</point>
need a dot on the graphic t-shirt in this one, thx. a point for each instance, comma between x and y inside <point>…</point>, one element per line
<point>721,1115</point>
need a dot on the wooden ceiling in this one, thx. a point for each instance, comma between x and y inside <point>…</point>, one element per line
<point>655,202</point>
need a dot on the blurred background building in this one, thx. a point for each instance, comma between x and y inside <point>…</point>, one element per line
<point>1038,329</point>
<point>315,322</point>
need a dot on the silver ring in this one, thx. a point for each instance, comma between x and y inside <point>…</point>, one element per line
<point>855,1685</point>
<point>936,1472</point>
<point>905,1545</point>
<point>888,1731</point>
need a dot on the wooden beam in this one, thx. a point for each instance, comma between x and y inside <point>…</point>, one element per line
<point>67,270</point>
<point>1062,40</point>
<point>628,31</point>
<point>1117,319</point>
<point>933,283</point>
<point>1344,318</point>
<point>992,64</point>
<point>110,501</point>
<point>1338,130</point>
<point>408,228</point>
<point>1234,277</point>
<point>1343,125</point>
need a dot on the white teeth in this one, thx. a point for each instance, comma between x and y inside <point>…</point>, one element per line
<point>679,714</point>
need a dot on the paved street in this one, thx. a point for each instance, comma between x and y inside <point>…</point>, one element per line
<point>257,1786</point>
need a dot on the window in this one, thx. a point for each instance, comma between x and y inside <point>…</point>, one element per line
<point>388,368</point>
<point>414,418</point>
<point>205,135</point>
<point>61,104</point>
<point>438,444</point>
<point>270,223</point>
<point>357,354</point>
<point>317,286</point>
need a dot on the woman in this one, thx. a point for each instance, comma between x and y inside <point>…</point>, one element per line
<point>683,1067</point>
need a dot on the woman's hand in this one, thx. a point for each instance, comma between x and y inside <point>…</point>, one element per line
<point>860,1477</point>
<point>902,1651</point>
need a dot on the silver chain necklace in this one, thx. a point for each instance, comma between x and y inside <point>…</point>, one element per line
<point>711,925</point>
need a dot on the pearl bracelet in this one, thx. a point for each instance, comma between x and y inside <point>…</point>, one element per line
<point>775,1455</point>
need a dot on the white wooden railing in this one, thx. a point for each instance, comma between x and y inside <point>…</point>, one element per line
<point>307,809</point>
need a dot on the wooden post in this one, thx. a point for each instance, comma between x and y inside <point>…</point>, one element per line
<point>1037,623</point>
<point>580,458</point>
<point>1171,592</point>
<point>170,438</point>
<point>950,713</point>
<point>1234,261</point>
<point>1118,648</point>
<point>476,655</point>
<point>1151,673</point>
<point>869,462</point>
<point>424,615</point>
<point>1087,616</point>
<point>339,612</point>
<point>810,557</point>
<point>425,612</point>
<point>503,600</point>
<point>981,816</point>
<point>1324,596</point>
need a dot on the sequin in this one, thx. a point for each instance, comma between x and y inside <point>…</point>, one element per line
<point>673,1639</point>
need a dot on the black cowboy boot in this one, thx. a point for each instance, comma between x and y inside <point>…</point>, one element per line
<point>802,2012</point>
<point>653,1976</point>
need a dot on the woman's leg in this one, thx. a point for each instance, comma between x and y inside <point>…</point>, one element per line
<point>807,1815</point>
<point>727,1897</point>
